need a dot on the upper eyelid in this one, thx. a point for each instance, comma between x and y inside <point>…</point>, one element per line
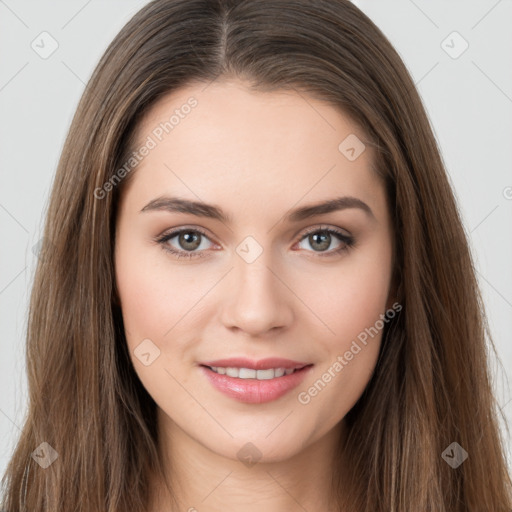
<point>326,228</point>
<point>177,231</point>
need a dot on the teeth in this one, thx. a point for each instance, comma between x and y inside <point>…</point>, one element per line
<point>232,372</point>
<point>248,373</point>
<point>243,373</point>
<point>279,372</point>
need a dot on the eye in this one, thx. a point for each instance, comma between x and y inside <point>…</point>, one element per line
<point>320,239</point>
<point>188,241</point>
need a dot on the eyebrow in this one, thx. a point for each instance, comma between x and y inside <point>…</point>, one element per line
<point>200,209</point>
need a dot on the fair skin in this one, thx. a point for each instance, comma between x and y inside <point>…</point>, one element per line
<point>257,156</point>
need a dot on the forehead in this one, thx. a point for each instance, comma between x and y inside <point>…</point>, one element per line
<point>211,140</point>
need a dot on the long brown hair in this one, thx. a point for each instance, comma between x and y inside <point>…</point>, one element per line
<point>431,386</point>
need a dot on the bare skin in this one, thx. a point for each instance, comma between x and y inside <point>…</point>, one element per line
<point>257,156</point>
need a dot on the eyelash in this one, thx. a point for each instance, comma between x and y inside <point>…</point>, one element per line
<point>348,242</point>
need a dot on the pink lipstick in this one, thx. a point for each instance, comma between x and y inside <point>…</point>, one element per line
<point>255,381</point>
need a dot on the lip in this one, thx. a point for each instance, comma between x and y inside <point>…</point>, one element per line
<point>256,391</point>
<point>262,364</point>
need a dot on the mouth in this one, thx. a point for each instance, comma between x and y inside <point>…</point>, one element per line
<point>251,373</point>
<point>250,383</point>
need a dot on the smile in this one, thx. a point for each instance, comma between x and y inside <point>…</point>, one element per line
<point>254,386</point>
<point>249,373</point>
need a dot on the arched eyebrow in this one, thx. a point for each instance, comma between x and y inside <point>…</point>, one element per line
<point>200,209</point>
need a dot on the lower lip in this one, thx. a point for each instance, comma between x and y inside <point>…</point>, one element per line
<point>255,391</point>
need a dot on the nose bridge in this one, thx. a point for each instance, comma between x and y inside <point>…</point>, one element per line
<point>257,299</point>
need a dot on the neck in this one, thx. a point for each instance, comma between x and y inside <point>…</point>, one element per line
<point>203,480</point>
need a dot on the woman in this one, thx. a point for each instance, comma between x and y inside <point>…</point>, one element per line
<point>190,347</point>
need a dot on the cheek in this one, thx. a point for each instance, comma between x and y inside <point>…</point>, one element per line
<point>352,304</point>
<point>150,308</point>
<point>152,299</point>
<point>141,296</point>
<point>351,354</point>
<point>351,298</point>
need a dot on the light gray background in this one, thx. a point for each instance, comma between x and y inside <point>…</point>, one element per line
<point>468,98</point>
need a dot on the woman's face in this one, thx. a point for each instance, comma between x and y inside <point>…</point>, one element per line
<point>257,272</point>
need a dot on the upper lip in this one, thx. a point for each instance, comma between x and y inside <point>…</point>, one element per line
<point>262,364</point>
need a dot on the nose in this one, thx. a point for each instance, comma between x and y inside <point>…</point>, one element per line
<point>257,299</point>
